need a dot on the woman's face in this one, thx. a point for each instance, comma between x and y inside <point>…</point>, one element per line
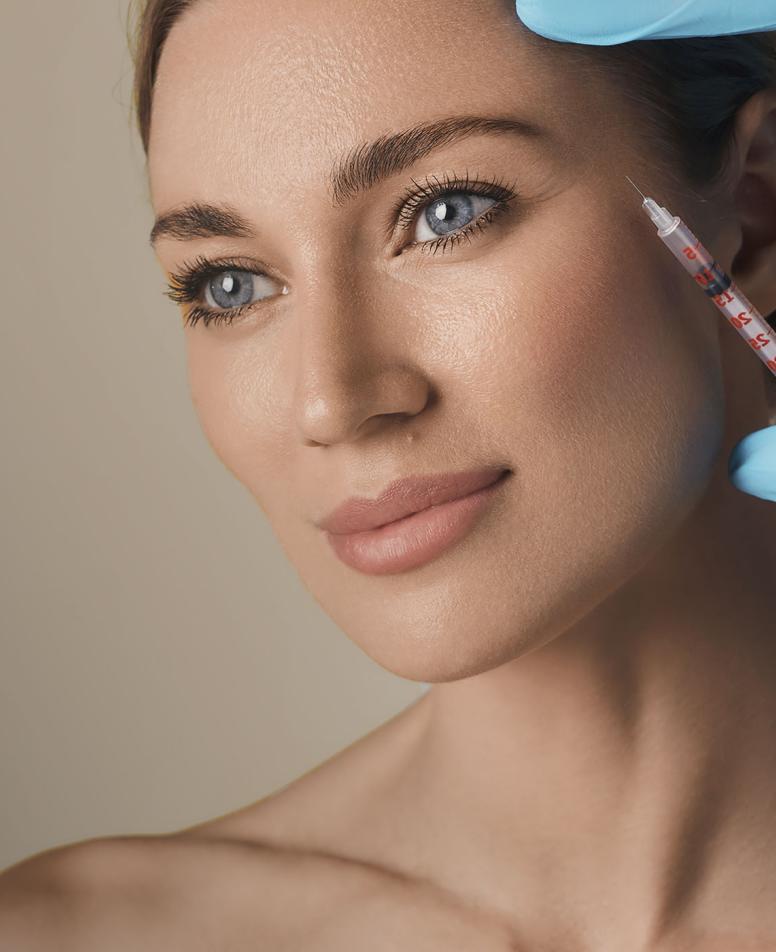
<point>559,340</point>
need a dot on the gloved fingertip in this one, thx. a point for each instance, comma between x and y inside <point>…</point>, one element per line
<point>755,482</point>
<point>755,449</point>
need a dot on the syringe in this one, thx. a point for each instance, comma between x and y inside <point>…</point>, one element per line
<point>716,283</point>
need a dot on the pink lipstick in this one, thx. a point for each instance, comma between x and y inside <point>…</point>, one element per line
<point>412,522</point>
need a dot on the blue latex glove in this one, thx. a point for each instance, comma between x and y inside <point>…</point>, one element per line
<point>606,22</point>
<point>752,464</point>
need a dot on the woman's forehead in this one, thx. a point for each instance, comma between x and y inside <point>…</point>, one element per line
<point>249,92</point>
<point>259,65</point>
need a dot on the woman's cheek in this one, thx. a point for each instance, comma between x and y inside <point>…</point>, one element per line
<point>231,385</point>
<point>630,342</point>
<point>622,409</point>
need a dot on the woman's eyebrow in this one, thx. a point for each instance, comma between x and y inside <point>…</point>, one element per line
<point>359,170</point>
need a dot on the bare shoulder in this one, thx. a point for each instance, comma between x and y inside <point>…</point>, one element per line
<point>168,893</point>
<point>323,864</point>
<point>61,897</point>
<point>198,893</point>
<point>108,893</point>
<point>76,865</point>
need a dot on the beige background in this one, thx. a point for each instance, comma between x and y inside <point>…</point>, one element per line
<point>160,661</point>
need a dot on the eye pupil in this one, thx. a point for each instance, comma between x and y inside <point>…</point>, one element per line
<point>454,212</point>
<point>232,289</point>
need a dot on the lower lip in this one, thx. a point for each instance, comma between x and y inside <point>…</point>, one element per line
<point>415,540</point>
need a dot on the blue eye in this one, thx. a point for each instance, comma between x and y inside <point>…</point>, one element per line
<point>451,211</point>
<point>232,289</point>
<point>227,289</point>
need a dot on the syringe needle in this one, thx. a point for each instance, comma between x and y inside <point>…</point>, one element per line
<point>636,187</point>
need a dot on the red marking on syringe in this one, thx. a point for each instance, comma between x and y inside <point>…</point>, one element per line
<point>739,311</point>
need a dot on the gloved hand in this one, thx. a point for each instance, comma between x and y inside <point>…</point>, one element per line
<point>606,22</point>
<point>752,464</point>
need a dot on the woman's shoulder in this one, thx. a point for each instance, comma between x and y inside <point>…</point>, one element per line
<point>155,892</point>
<point>276,869</point>
<point>177,892</point>
<point>58,898</point>
<point>315,854</point>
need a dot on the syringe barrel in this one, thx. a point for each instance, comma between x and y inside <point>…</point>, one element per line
<point>736,307</point>
<point>696,259</point>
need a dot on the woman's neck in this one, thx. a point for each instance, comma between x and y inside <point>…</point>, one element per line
<point>621,779</point>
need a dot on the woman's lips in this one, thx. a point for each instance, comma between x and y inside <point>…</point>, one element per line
<point>406,496</point>
<point>416,539</point>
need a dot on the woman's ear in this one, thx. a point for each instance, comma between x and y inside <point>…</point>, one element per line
<point>754,264</point>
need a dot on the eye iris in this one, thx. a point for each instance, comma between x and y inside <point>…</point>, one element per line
<point>436,214</point>
<point>224,285</point>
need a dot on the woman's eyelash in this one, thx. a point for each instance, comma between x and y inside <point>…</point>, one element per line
<point>431,189</point>
<point>186,287</point>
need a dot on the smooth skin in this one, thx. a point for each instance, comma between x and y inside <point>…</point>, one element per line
<point>593,766</point>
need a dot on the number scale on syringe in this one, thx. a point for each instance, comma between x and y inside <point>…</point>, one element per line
<point>716,283</point>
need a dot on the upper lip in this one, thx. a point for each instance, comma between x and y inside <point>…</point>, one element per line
<point>406,496</point>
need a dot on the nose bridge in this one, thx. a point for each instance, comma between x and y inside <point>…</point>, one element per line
<point>349,363</point>
<point>335,339</point>
<point>330,292</point>
<point>333,311</point>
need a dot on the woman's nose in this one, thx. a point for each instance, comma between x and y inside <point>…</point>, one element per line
<point>355,368</point>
